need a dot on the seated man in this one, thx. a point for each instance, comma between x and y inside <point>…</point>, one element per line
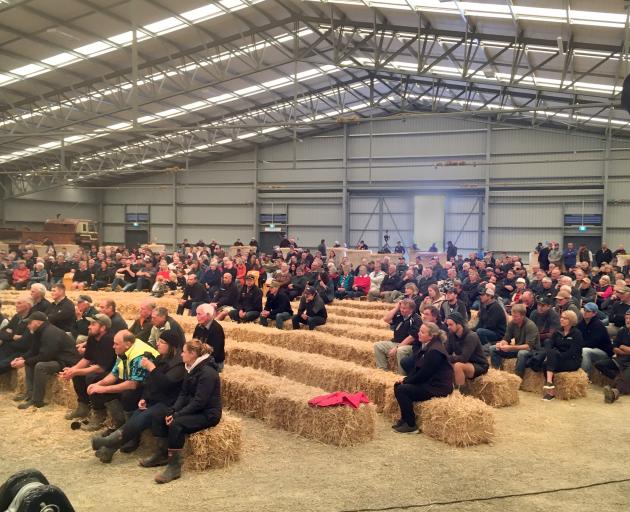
<point>464,350</point>
<point>82,277</point>
<point>618,366</point>
<point>84,310</point>
<point>194,295</point>
<point>597,343</point>
<point>125,276</point>
<point>451,305</point>
<point>209,331</point>
<point>121,389</point>
<point>405,323</point>
<point>38,294</point>
<point>526,338</point>
<point>618,309</point>
<point>145,275</point>
<point>391,283</point>
<point>249,303</point>
<point>546,319</point>
<point>103,276</point>
<point>15,338</point>
<point>277,308</point>
<point>51,350</point>
<point>226,297</point>
<point>297,284</point>
<point>108,307</point>
<point>141,326</point>
<point>61,311</point>
<point>492,323</point>
<point>311,311</point>
<point>38,275</point>
<point>163,322</point>
<point>96,362</point>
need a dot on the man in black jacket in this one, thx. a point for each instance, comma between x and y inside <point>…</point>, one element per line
<point>226,297</point>
<point>84,310</point>
<point>52,350</point>
<point>277,307</point>
<point>618,309</point>
<point>391,283</point>
<point>108,307</point>
<point>464,349</point>
<point>210,331</point>
<point>61,311</point>
<point>492,322</point>
<point>141,327</point>
<point>38,294</point>
<point>311,311</point>
<point>597,344</point>
<point>97,359</point>
<point>249,303</point>
<point>405,324</point>
<point>15,338</point>
<point>194,295</point>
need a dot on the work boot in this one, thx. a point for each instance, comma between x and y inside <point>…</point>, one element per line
<point>174,468</point>
<point>113,440</point>
<point>96,422</point>
<point>159,456</point>
<point>131,445</point>
<point>610,394</point>
<point>82,411</point>
<point>30,403</point>
<point>116,412</point>
<point>21,397</point>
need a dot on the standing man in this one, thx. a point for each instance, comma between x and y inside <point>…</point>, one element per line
<point>570,256</point>
<point>210,331</point>
<point>97,360</point>
<point>52,349</point>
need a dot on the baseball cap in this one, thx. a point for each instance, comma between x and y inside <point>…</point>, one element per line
<point>489,291</point>
<point>563,295</point>
<point>309,290</point>
<point>591,307</point>
<point>100,318</point>
<point>84,298</point>
<point>544,299</point>
<point>250,276</point>
<point>37,315</point>
<point>622,289</point>
<point>521,280</point>
<point>274,284</point>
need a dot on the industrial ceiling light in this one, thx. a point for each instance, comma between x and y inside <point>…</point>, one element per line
<point>560,45</point>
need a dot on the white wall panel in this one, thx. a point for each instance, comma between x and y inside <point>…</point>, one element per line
<point>313,215</point>
<point>525,216</point>
<point>161,214</point>
<point>225,235</point>
<point>150,194</point>
<point>520,240</point>
<point>215,195</point>
<point>161,234</point>
<point>217,215</point>
<point>113,234</point>
<point>113,213</point>
<point>310,236</point>
<point>37,211</point>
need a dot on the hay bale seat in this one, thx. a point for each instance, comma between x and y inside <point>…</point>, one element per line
<point>282,403</point>
<point>599,379</point>
<point>356,332</point>
<point>354,312</point>
<point>215,447</point>
<point>351,322</point>
<point>457,420</point>
<point>58,392</point>
<point>569,385</point>
<point>313,342</point>
<point>316,370</point>
<point>495,388</point>
<point>382,307</point>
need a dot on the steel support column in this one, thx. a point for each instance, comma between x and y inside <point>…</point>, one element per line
<point>255,209</point>
<point>606,172</point>
<point>345,228</point>
<point>486,192</point>
<point>174,213</point>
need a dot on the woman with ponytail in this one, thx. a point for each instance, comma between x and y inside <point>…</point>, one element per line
<point>198,407</point>
<point>430,377</point>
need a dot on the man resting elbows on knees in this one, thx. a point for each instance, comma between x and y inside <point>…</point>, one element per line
<point>311,311</point>
<point>597,343</point>
<point>405,323</point>
<point>464,350</point>
<point>277,307</point>
<point>526,338</point>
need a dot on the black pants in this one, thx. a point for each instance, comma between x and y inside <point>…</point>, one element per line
<point>182,425</point>
<point>312,321</point>
<point>142,420</point>
<point>129,399</point>
<point>407,394</point>
<point>621,376</point>
<point>557,362</point>
<point>81,383</point>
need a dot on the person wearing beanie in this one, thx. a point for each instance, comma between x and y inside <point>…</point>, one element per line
<point>464,350</point>
<point>277,307</point>
<point>311,311</point>
<point>492,322</point>
<point>525,335</point>
<point>597,344</point>
<point>165,374</point>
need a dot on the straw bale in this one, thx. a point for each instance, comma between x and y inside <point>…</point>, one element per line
<point>383,307</point>
<point>215,447</point>
<point>457,420</point>
<point>356,332</point>
<point>509,365</point>
<point>495,388</point>
<point>533,382</point>
<point>350,321</point>
<point>569,385</point>
<point>9,381</point>
<point>316,370</point>
<point>62,393</point>
<point>355,313</point>
<point>312,342</point>
<point>599,379</point>
<point>282,403</point>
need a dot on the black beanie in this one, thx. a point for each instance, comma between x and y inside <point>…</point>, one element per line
<point>457,318</point>
<point>170,337</point>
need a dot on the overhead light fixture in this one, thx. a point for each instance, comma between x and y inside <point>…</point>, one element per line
<point>560,45</point>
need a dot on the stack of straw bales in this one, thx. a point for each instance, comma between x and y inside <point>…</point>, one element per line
<point>350,322</point>
<point>355,313</point>
<point>599,379</point>
<point>569,385</point>
<point>215,447</point>
<point>283,404</point>
<point>315,370</point>
<point>495,388</point>
<point>457,420</point>
<point>357,332</point>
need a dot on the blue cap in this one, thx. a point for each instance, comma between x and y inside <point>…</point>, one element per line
<point>591,307</point>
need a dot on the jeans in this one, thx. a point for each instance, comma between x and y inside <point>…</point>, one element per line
<point>590,356</point>
<point>96,285</point>
<point>37,377</point>
<point>497,356</point>
<point>279,319</point>
<point>486,336</point>
<point>189,305</point>
<point>140,420</point>
<point>311,321</point>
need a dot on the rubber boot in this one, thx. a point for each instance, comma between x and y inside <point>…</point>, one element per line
<point>113,440</point>
<point>97,419</point>
<point>174,468</point>
<point>116,413</point>
<point>159,456</point>
<point>131,445</point>
<point>82,411</point>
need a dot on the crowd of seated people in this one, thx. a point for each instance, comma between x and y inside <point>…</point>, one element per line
<point>560,314</point>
